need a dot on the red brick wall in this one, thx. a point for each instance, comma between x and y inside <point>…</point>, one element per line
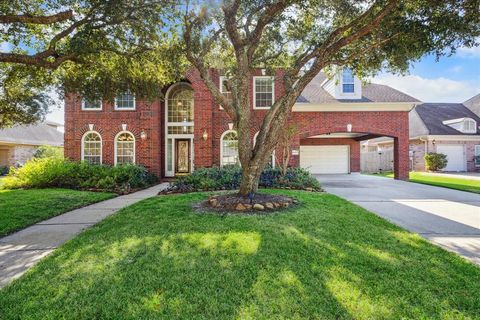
<point>354,148</point>
<point>150,117</point>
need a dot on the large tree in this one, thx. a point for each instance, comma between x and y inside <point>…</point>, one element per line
<point>304,37</point>
<point>93,47</point>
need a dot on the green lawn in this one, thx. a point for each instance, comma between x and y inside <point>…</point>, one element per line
<point>466,184</point>
<point>21,208</point>
<point>327,259</point>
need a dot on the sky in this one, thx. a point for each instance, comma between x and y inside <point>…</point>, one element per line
<point>451,79</point>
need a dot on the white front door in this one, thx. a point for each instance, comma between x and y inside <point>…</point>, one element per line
<point>325,159</point>
<point>455,157</point>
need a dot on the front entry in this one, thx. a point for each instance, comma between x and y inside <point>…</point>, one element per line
<point>182,156</point>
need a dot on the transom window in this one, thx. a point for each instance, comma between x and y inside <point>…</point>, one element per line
<point>348,81</point>
<point>229,148</point>
<point>124,148</point>
<point>263,92</point>
<point>180,104</point>
<point>92,148</point>
<point>125,101</point>
<point>88,104</point>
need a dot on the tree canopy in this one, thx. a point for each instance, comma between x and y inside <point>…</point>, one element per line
<point>93,47</point>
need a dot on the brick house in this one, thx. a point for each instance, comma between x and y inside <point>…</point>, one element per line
<point>449,128</point>
<point>189,130</point>
<point>19,143</point>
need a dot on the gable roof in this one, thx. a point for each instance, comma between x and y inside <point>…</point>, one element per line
<point>371,92</point>
<point>433,115</point>
<point>38,134</point>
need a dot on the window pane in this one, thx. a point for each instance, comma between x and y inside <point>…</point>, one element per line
<point>348,88</point>
<point>180,104</point>
<point>92,104</point>
<point>125,100</point>
<point>169,155</point>
<point>230,149</point>
<point>263,92</point>
<point>125,148</point>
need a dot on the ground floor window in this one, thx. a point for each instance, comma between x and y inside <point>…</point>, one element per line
<point>229,148</point>
<point>92,147</point>
<point>124,148</point>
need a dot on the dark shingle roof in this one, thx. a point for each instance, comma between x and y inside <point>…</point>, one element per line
<point>371,92</point>
<point>39,134</point>
<point>433,115</point>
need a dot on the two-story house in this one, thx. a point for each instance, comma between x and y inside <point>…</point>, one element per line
<point>188,130</point>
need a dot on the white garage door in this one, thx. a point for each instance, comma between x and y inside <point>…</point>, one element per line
<point>455,157</point>
<point>325,159</point>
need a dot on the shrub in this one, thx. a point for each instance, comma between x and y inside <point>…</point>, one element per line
<point>48,152</point>
<point>435,161</point>
<point>228,178</point>
<point>55,172</point>
<point>3,170</point>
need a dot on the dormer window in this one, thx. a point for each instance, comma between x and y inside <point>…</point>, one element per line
<point>464,125</point>
<point>348,81</point>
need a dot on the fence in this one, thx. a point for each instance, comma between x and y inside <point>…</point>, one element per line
<point>376,161</point>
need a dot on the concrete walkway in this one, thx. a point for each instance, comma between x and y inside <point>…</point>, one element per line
<point>23,249</point>
<point>448,218</point>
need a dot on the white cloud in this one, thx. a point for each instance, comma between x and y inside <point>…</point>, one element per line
<point>473,52</point>
<point>430,90</point>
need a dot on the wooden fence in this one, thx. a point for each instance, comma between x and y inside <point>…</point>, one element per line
<point>376,161</point>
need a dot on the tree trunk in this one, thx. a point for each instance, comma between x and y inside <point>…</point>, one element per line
<point>249,181</point>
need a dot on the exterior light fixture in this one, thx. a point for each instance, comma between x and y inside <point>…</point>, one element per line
<point>143,135</point>
<point>205,135</point>
<point>433,141</point>
<point>349,127</point>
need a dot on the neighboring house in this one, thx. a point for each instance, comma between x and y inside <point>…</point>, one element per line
<point>473,104</point>
<point>189,130</point>
<point>448,128</point>
<point>19,143</point>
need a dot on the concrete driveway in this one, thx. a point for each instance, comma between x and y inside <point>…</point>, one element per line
<point>448,218</point>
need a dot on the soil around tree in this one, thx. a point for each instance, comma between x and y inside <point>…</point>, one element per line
<point>261,203</point>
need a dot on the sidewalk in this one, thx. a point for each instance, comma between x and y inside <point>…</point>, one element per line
<point>23,249</point>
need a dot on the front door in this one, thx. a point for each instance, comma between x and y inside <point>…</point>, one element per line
<point>182,156</point>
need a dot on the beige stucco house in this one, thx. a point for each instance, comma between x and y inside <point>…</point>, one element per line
<point>19,143</point>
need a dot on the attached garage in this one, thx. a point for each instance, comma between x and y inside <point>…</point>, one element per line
<point>455,156</point>
<point>325,159</point>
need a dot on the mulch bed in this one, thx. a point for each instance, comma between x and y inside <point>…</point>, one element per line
<point>232,202</point>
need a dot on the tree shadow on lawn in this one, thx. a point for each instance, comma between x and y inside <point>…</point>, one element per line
<point>326,259</point>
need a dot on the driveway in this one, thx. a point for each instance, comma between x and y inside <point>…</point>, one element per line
<point>448,218</point>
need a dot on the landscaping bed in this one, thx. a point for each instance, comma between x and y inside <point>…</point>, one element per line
<point>324,259</point>
<point>232,202</point>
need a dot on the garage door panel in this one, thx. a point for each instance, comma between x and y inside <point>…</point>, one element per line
<point>455,156</point>
<point>325,159</point>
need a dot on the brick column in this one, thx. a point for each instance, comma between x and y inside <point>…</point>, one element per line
<point>401,157</point>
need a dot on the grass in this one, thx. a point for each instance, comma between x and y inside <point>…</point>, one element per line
<point>21,208</point>
<point>463,184</point>
<point>326,259</point>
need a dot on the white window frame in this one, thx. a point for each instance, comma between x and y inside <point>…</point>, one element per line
<point>83,145</point>
<point>134,146</point>
<point>476,151</point>
<point>255,92</point>
<point>221,79</point>
<point>470,120</point>
<point>126,109</point>
<point>90,109</point>
<point>221,145</point>
<point>273,153</point>
<point>352,83</point>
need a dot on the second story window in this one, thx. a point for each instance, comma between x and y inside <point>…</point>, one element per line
<point>469,126</point>
<point>224,89</point>
<point>348,81</point>
<point>263,91</point>
<point>88,104</point>
<point>125,101</point>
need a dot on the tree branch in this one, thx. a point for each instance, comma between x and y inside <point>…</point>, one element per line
<point>58,17</point>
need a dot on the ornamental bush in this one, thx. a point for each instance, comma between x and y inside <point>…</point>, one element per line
<point>228,178</point>
<point>54,172</point>
<point>435,161</point>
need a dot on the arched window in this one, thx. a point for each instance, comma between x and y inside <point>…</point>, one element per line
<point>92,147</point>
<point>124,148</point>
<point>272,163</point>
<point>180,104</point>
<point>469,125</point>
<point>229,148</point>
